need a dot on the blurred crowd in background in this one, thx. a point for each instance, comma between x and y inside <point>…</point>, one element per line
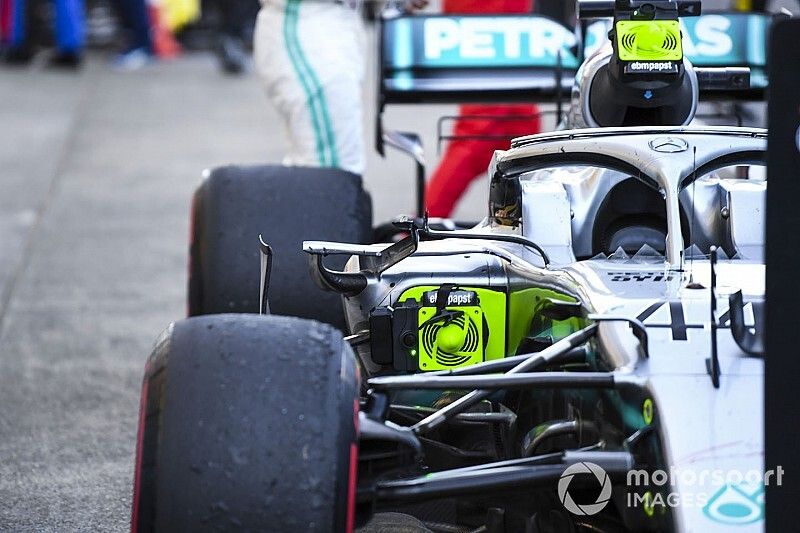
<point>138,31</point>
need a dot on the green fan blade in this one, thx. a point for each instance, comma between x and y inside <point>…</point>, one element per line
<point>649,40</point>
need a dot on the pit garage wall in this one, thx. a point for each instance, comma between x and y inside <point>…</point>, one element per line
<point>782,401</point>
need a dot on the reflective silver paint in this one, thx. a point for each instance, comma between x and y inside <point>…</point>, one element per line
<point>702,428</point>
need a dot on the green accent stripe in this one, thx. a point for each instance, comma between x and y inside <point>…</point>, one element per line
<point>323,108</point>
<point>318,99</point>
<point>290,27</point>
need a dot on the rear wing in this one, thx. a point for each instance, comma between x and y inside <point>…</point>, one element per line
<point>473,58</point>
<point>531,58</point>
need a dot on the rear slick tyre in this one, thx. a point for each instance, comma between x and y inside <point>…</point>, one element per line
<point>285,205</point>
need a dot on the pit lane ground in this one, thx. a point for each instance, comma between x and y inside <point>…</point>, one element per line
<point>96,174</point>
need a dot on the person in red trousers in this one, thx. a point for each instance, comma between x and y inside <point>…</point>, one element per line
<point>466,159</point>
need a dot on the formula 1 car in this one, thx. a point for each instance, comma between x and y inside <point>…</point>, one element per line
<point>587,358</point>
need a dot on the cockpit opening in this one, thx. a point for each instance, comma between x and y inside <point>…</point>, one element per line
<point>630,216</point>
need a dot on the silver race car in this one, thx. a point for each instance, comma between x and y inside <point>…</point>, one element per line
<point>589,357</point>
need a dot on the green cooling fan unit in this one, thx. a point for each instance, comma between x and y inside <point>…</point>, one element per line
<point>470,328</point>
<point>650,40</point>
<point>453,342</point>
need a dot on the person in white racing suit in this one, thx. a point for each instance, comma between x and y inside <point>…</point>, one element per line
<point>310,57</point>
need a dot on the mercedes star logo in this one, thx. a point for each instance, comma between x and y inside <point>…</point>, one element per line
<point>669,145</point>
